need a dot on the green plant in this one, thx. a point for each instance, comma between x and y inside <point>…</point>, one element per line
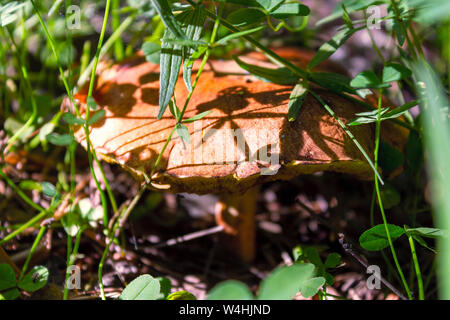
<point>38,46</point>
<point>145,287</point>
<point>34,280</point>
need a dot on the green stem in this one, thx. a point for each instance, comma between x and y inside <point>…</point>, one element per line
<point>135,200</point>
<point>69,93</point>
<point>71,257</point>
<point>113,231</point>
<point>380,203</point>
<point>350,135</point>
<point>32,250</point>
<point>105,48</point>
<point>297,70</point>
<point>32,118</point>
<point>402,26</point>
<point>203,63</point>
<point>416,41</point>
<point>417,268</point>
<point>41,215</point>
<point>91,152</point>
<point>118,44</point>
<point>20,192</point>
<point>374,44</point>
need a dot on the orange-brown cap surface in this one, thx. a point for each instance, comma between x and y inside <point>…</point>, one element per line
<point>227,149</point>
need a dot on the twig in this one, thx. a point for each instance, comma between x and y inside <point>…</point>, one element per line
<point>348,249</point>
<point>189,237</point>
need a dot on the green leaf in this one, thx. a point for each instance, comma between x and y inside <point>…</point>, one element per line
<point>367,79</point>
<point>197,54</point>
<point>367,117</point>
<point>232,36</point>
<point>332,260</point>
<point>279,76</point>
<point>375,239</point>
<point>88,213</point>
<point>164,11</point>
<point>10,294</point>
<point>296,99</point>
<point>427,232</point>
<point>90,102</point>
<point>72,223</point>
<point>346,17</point>
<point>144,287</point>
<point>248,3</point>
<point>297,253</point>
<point>187,43</point>
<point>330,47</point>
<point>287,10</point>
<point>181,295</point>
<point>70,118</point>
<point>230,290</point>
<point>334,81</point>
<point>174,110</point>
<point>35,279</point>
<point>60,139</point>
<point>245,16</point>
<point>436,133</point>
<point>197,116</point>
<point>30,185</point>
<point>152,52</point>
<point>385,113</point>
<point>394,72</point>
<point>397,112</point>
<point>46,129</point>
<point>313,256</point>
<point>183,133</point>
<point>172,54</point>
<point>96,117</point>
<point>165,287</point>
<point>285,282</point>
<point>310,287</point>
<point>351,6</point>
<point>193,25</point>
<point>170,61</point>
<point>7,277</point>
<point>399,31</point>
<point>431,12</point>
<point>422,242</point>
<point>267,4</point>
<point>48,189</point>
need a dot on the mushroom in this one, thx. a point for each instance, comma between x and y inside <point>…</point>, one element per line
<point>244,141</point>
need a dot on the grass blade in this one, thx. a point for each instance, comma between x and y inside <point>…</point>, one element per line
<point>436,127</point>
<point>164,11</point>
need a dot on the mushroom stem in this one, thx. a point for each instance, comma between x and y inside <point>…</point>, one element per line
<point>236,213</point>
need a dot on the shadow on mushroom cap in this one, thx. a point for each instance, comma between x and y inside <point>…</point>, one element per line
<point>227,152</point>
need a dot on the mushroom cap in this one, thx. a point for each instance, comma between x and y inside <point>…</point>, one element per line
<point>236,145</point>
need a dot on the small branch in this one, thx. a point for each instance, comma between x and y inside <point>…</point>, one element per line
<point>189,237</point>
<point>348,249</point>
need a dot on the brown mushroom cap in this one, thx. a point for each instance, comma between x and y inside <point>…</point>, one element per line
<point>131,136</point>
